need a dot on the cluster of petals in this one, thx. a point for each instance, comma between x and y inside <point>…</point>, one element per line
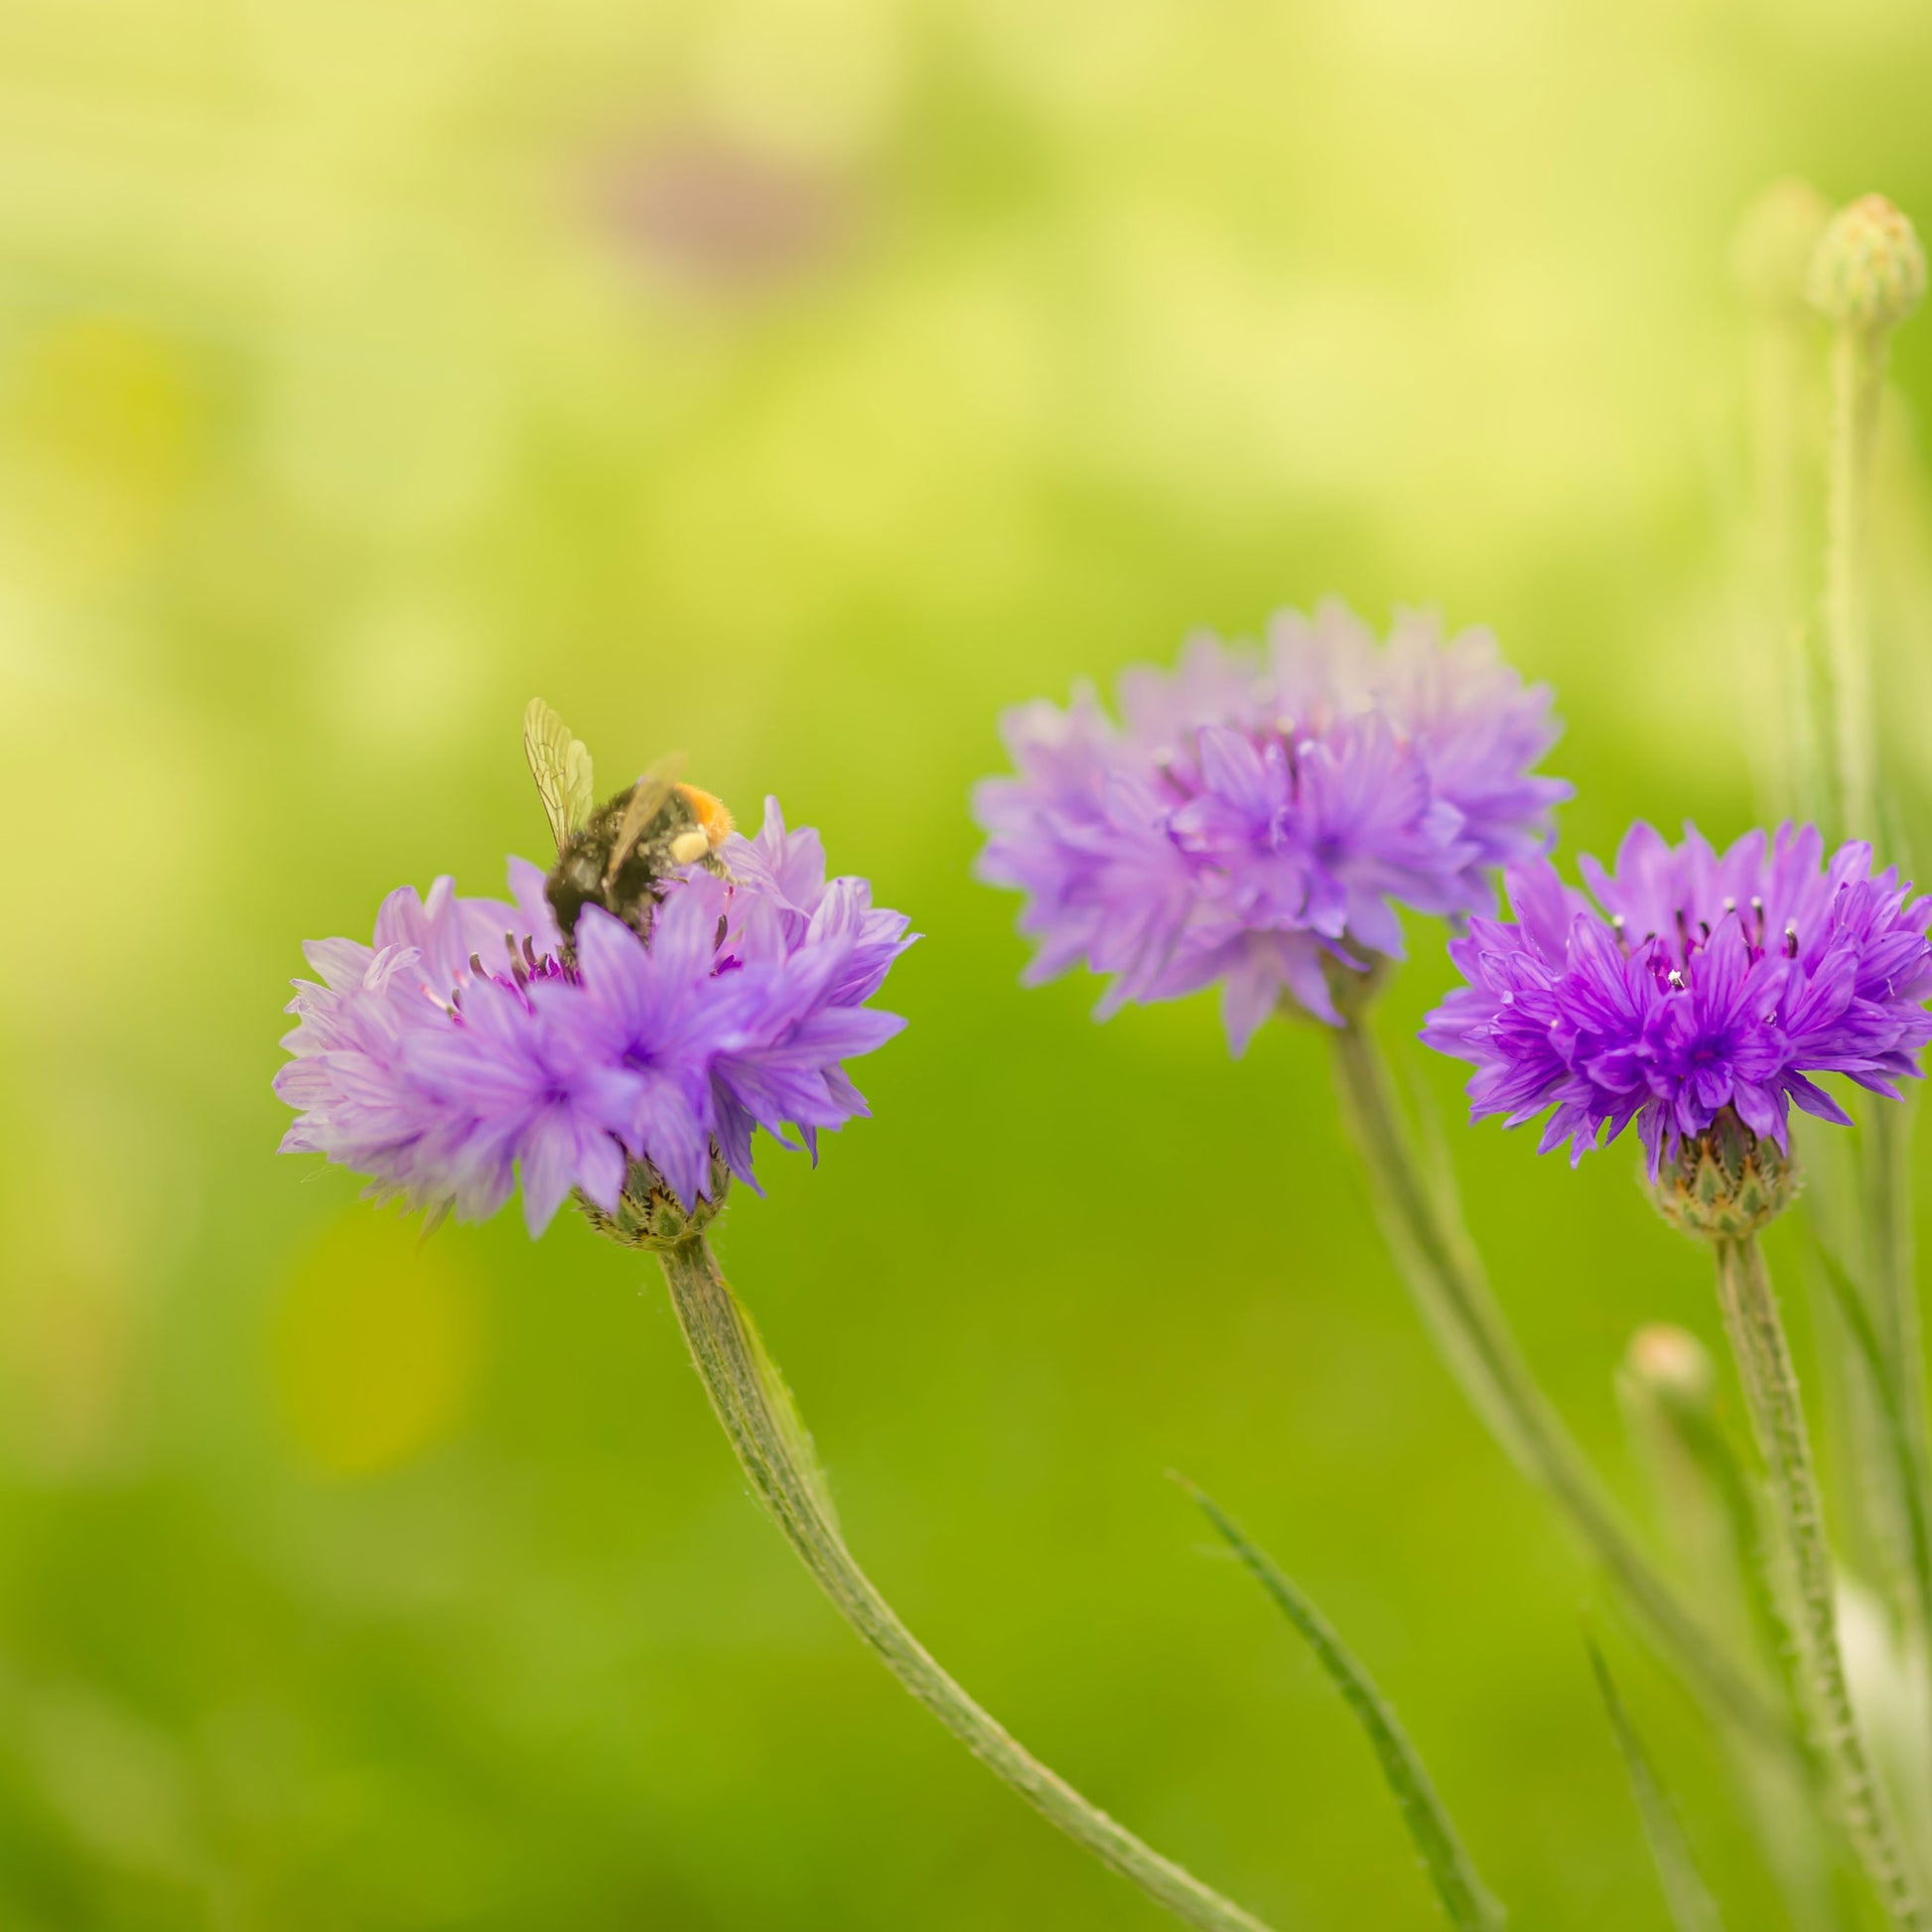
<point>1256,811</point>
<point>456,1052</point>
<point>1697,982</point>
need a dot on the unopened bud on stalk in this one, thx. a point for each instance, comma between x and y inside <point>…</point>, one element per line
<point>1672,1364</point>
<point>1771,252</point>
<point>1868,270</point>
<point>1725,1182</point>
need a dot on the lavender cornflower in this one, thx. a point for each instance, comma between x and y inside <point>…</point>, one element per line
<point>1698,999</point>
<point>1259,815</point>
<point>467,1045</point>
<point>619,1032</point>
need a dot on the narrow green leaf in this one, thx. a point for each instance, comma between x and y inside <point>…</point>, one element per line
<point>1469,1905</point>
<point>1692,1909</point>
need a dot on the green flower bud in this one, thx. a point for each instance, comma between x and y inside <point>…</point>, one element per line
<point>650,1216</point>
<point>1868,270</point>
<point>1771,250</point>
<point>1725,1182</point>
<point>1672,1364</point>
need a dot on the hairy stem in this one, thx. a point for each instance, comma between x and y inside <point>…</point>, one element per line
<point>755,1409</point>
<point>1858,372</point>
<point>1858,375</point>
<point>1889,1177</point>
<point>1456,1306</point>
<point>1770,1384</point>
<point>1790,774</point>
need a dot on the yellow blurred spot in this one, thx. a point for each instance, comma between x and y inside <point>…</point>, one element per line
<point>375,1345</point>
<point>100,427</point>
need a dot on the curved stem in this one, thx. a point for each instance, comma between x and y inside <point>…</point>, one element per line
<point>775,1453</point>
<point>1455,1300</point>
<point>1757,1341</point>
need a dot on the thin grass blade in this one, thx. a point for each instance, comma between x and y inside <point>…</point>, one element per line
<point>1464,1898</point>
<point>1692,1909</point>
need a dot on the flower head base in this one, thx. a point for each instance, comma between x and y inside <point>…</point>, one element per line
<point>1724,1182</point>
<point>1868,269</point>
<point>1697,1001</point>
<point>1256,816</point>
<point>467,1047</point>
<point>649,1217</point>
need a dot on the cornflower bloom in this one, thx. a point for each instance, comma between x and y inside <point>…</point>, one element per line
<point>1699,988</point>
<point>467,1044</point>
<point>618,1028</point>
<point>1256,816</point>
<point>1697,998</point>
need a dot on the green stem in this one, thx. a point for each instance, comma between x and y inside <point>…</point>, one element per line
<point>1888,1179</point>
<point>1856,375</point>
<point>1770,1385</point>
<point>1456,1302</point>
<point>775,1453</point>
<point>1748,1558</point>
<point>1777,356</point>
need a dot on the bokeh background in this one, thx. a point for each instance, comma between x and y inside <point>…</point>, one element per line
<point>797,384</point>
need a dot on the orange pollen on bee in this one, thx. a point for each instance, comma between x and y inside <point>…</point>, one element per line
<point>712,813</point>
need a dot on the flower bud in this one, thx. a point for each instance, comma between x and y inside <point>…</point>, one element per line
<point>1724,1182</point>
<point>1672,1364</point>
<point>649,1217</point>
<point>1771,250</point>
<point>1868,270</point>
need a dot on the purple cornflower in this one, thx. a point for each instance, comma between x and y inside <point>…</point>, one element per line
<point>1704,983</point>
<point>1257,814</point>
<point>457,1052</point>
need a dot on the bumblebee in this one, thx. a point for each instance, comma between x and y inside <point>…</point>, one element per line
<point>615,855</point>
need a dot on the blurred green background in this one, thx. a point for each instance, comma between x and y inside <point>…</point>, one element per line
<point>798,384</point>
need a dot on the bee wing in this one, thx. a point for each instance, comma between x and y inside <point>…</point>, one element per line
<point>561,766</point>
<point>648,799</point>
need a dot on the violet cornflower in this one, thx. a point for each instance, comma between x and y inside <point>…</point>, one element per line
<point>1705,982</point>
<point>1259,815</point>
<point>458,1051</point>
